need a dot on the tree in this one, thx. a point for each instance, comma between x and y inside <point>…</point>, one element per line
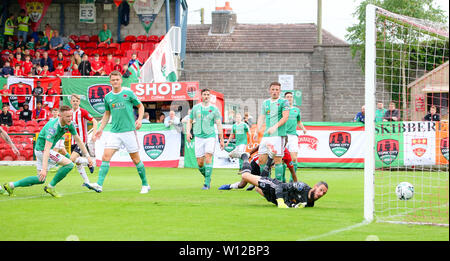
<point>401,48</point>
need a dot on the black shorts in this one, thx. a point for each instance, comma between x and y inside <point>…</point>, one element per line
<point>267,186</point>
<point>255,170</point>
<point>75,148</point>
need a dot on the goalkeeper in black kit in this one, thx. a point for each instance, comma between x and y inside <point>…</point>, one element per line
<point>284,195</point>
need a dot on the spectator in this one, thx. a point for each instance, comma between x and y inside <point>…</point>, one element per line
<point>56,43</point>
<point>21,92</point>
<point>85,66</point>
<point>78,51</point>
<point>42,43</point>
<point>23,22</point>
<point>172,120</point>
<point>37,58</point>
<point>9,26</point>
<point>47,61</point>
<point>104,36</point>
<point>161,118</point>
<point>59,71</point>
<point>5,116</point>
<point>433,115</point>
<point>75,71</point>
<point>392,114</point>
<point>48,32</point>
<point>60,60</point>
<point>18,70</point>
<point>30,44</point>
<point>146,118</point>
<point>17,60</point>
<point>96,66</point>
<point>117,65</point>
<point>20,43</point>
<point>248,119</point>
<point>360,116</point>
<point>134,59</point>
<point>379,112</point>
<point>37,69</point>
<point>39,113</point>
<point>26,113</point>
<point>51,93</point>
<point>27,65</point>
<point>125,72</point>
<point>7,70</point>
<point>109,64</point>
<point>38,92</point>
<point>5,93</point>
<point>45,71</point>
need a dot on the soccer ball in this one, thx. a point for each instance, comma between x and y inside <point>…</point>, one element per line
<point>404,191</point>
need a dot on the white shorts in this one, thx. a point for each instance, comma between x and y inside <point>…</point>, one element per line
<point>53,159</point>
<point>292,143</point>
<point>127,140</point>
<point>204,145</point>
<point>240,148</point>
<point>277,142</point>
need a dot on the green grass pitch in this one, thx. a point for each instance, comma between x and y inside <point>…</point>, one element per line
<point>176,209</point>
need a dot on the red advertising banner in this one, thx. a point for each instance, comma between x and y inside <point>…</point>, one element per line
<point>167,91</point>
<point>35,9</point>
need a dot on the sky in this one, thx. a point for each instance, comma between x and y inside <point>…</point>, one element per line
<point>336,14</point>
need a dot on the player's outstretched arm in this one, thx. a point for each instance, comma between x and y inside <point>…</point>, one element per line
<point>105,121</point>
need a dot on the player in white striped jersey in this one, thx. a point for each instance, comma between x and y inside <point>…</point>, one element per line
<point>81,117</point>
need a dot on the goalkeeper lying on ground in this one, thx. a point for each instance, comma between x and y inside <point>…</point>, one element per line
<point>284,195</point>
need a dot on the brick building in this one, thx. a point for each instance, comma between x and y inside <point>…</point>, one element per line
<point>240,60</point>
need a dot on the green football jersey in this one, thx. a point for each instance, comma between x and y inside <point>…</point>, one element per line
<point>294,118</point>
<point>240,133</point>
<point>120,105</point>
<point>203,120</point>
<point>53,132</point>
<point>273,111</point>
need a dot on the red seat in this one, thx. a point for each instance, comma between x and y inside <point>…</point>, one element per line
<point>14,129</point>
<point>74,37</point>
<point>129,53</point>
<point>52,53</point>
<point>115,45</point>
<point>125,46</point>
<point>153,38</point>
<point>119,53</point>
<point>136,46</point>
<point>92,45</point>
<point>148,46</point>
<point>102,45</point>
<point>143,55</point>
<point>83,38</point>
<point>72,45</point>
<point>19,123</point>
<point>93,38</point>
<point>130,38</point>
<point>82,45</point>
<point>141,38</point>
<point>42,123</point>
<point>124,60</point>
<point>32,123</point>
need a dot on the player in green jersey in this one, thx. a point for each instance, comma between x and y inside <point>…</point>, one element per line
<point>46,157</point>
<point>119,107</point>
<point>239,132</point>
<point>275,113</point>
<point>293,121</point>
<point>202,119</point>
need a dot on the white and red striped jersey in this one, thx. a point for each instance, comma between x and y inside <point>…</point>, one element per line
<point>81,117</point>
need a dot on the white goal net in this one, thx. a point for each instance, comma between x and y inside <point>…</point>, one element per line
<point>407,86</point>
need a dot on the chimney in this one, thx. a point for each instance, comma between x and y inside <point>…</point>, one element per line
<point>223,20</point>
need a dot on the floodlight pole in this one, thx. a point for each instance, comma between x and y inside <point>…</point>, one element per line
<point>319,21</point>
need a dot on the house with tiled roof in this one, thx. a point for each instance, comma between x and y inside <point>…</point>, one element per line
<point>241,60</point>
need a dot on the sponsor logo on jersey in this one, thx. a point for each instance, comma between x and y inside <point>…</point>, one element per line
<point>340,142</point>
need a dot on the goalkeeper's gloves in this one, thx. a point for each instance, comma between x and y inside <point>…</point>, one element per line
<point>300,205</point>
<point>281,203</point>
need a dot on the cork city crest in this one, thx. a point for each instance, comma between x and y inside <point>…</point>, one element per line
<point>444,147</point>
<point>154,144</point>
<point>340,142</point>
<point>388,150</point>
<point>96,96</point>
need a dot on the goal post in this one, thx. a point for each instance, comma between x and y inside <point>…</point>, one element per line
<point>406,67</point>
